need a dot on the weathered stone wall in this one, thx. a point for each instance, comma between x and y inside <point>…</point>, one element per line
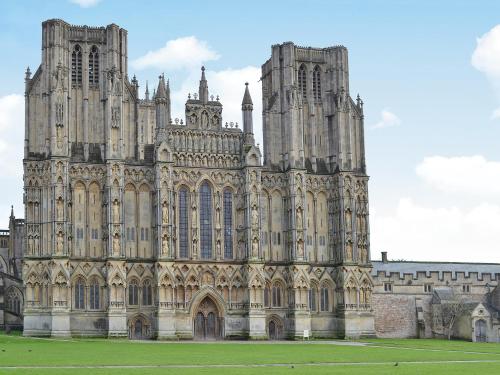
<point>395,315</point>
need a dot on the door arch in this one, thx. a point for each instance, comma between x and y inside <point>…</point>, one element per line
<point>207,322</point>
<point>274,329</point>
<point>139,328</point>
<point>480,330</point>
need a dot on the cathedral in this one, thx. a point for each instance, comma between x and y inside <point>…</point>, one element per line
<point>142,227</point>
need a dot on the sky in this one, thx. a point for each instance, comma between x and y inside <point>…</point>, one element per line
<point>427,71</point>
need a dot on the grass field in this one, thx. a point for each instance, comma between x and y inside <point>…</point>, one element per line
<point>19,355</point>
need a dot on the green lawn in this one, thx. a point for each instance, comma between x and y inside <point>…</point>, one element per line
<point>17,354</point>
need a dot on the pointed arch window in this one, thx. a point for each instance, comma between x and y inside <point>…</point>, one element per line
<point>325,303</point>
<point>94,295</point>
<point>94,66</point>
<point>317,83</point>
<point>206,221</point>
<point>228,224</point>
<point>183,222</point>
<point>133,293</point>
<point>80,294</point>
<point>312,298</point>
<point>276,297</point>
<point>76,65</point>
<point>302,78</point>
<point>147,293</point>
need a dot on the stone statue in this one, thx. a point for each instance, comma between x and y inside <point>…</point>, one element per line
<point>193,214</point>
<point>116,245</point>
<point>164,245</point>
<point>255,217</point>
<point>164,213</point>
<point>60,209</point>
<point>348,251</point>
<point>348,220</point>
<point>59,245</point>
<point>255,247</point>
<point>299,218</point>
<point>300,249</point>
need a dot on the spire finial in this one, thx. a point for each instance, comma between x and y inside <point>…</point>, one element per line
<point>203,91</point>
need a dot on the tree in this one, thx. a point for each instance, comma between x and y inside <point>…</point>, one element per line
<point>451,310</point>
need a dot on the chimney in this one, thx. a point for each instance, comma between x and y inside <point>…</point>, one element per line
<point>384,256</point>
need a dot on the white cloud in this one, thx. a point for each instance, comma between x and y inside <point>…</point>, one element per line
<point>496,114</point>
<point>11,155</point>
<point>182,53</point>
<point>12,134</point>
<point>388,119</point>
<point>415,232</point>
<point>486,56</point>
<point>229,84</point>
<point>463,174</point>
<point>85,3</point>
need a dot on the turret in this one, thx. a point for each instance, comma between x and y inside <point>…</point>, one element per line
<point>203,91</point>
<point>162,102</point>
<point>146,94</point>
<point>246,109</point>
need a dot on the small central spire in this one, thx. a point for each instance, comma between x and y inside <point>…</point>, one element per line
<point>203,91</point>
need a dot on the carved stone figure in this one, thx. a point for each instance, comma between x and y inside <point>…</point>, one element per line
<point>164,245</point>
<point>164,213</point>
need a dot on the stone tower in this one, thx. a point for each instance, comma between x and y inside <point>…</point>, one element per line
<point>312,127</point>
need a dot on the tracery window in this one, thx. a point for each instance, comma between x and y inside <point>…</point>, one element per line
<point>76,65</point>
<point>14,302</point>
<point>228,224</point>
<point>183,223</point>
<point>325,305</point>
<point>147,293</point>
<point>79,294</point>
<point>317,83</point>
<point>206,221</point>
<point>133,293</point>
<point>94,66</point>
<point>94,295</point>
<point>302,78</point>
<point>276,297</point>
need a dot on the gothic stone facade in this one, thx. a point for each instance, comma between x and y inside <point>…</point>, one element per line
<point>11,285</point>
<point>140,226</point>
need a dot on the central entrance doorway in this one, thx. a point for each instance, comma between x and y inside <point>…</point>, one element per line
<point>207,323</point>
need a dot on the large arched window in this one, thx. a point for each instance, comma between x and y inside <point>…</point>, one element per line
<point>183,222</point>
<point>206,221</point>
<point>147,293</point>
<point>76,65</point>
<point>317,83</point>
<point>94,295</point>
<point>133,293</point>
<point>79,294</point>
<point>94,66</point>
<point>228,224</point>
<point>302,78</point>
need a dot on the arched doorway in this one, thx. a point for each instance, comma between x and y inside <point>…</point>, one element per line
<point>207,324</point>
<point>274,329</point>
<point>480,330</point>
<point>139,328</point>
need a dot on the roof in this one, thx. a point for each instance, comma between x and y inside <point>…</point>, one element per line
<point>413,268</point>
